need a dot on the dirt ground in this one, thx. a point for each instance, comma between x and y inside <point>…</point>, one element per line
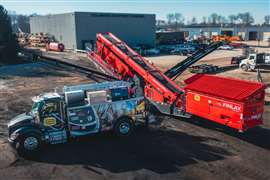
<point>178,149</point>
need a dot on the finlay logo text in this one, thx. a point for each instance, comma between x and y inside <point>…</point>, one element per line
<point>231,106</point>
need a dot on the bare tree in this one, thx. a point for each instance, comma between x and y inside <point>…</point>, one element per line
<point>232,19</point>
<point>23,23</point>
<point>204,20</point>
<point>213,18</point>
<point>170,18</point>
<point>222,20</point>
<point>245,18</point>
<point>8,43</point>
<point>219,19</point>
<point>194,20</point>
<point>179,18</point>
<point>267,19</point>
<point>175,19</point>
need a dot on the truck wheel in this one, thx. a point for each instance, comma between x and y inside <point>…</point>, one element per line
<point>244,67</point>
<point>29,143</point>
<point>124,127</point>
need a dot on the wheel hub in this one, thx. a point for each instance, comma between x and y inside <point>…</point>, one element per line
<point>30,143</point>
<point>124,128</point>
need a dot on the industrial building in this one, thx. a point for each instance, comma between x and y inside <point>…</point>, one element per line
<point>251,32</point>
<point>78,30</point>
<point>166,38</point>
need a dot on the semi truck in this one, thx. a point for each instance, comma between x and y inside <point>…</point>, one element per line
<point>255,60</point>
<point>77,111</point>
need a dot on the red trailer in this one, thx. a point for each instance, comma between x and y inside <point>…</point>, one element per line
<point>54,46</point>
<point>235,103</point>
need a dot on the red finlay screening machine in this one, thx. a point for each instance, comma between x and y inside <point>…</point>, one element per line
<point>234,103</point>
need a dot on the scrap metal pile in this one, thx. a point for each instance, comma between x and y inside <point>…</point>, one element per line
<point>40,40</point>
<point>34,40</point>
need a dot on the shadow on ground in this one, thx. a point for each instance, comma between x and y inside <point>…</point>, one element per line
<point>161,151</point>
<point>31,70</point>
<point>256,136</point>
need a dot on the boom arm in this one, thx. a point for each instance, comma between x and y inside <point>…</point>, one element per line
<point>179,68</point>
<point>129,65</point>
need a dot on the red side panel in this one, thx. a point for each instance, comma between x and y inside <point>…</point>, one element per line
<point>221,111</point>
<point>253,110</point>
<point>234,103</point>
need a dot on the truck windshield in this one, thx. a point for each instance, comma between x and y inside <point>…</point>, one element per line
<point>252,57</point>
<point>36,106</point>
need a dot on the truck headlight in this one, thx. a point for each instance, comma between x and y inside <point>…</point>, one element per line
<point>13,136</point>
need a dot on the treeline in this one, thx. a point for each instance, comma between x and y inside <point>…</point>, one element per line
<point>8,42</point>
<point>177,19</point>
<point>20,23</point>
<point>11,23</point>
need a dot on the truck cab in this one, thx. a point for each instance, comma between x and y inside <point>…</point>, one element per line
<point>77,111</point>
<point>253,60</point>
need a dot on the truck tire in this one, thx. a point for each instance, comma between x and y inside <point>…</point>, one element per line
<point>124,127</point>
<point>244,67</point>
<point>29,143</point>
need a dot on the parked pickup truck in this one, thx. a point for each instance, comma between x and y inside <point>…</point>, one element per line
<point>254,60</point>
<point>77,111</point>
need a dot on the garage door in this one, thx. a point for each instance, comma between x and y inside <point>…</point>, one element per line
<point>266,36</point>
<point>252,35</point>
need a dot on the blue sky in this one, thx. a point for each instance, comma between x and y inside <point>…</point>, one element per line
<point>189,8</point>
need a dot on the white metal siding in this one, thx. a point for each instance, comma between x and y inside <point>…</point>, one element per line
<point>61,26</point>
<point>266,36</point>
<point>73,28</point>
<point>131,28</point>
